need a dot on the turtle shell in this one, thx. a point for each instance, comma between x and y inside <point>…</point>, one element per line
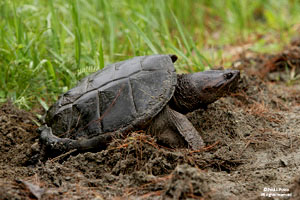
<point>123,96</point>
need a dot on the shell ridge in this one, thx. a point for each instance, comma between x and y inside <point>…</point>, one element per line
<point>121,78</point>
<point>132,96</point>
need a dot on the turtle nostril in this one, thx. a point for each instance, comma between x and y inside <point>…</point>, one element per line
<point>228,75</point>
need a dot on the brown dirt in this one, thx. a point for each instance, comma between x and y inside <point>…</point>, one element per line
<point>252,140</point>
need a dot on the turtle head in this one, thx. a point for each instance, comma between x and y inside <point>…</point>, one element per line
<point>210,85</point>
<point>199,89</point>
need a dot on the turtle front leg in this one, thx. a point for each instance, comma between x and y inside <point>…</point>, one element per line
<point>174,129</point>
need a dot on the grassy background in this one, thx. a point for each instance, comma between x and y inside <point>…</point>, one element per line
<point>47,45</point>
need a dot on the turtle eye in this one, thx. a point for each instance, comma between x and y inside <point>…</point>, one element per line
<point>228,75</point>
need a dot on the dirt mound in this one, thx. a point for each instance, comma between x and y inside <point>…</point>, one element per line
<point>252,151</point>
<point>283,66</point>
<point>17,134</point>
<point>16,126</point>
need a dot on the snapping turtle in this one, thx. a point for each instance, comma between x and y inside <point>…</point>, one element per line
<point>141,93</point>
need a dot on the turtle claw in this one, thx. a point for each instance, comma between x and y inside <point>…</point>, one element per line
<point>52,141</point>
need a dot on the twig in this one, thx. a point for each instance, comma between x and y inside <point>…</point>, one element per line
<point>62,155</point>
<point>205,148</point>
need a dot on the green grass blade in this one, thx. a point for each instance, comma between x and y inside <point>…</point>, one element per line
<point>54,28</point>
<point>143,36</point>
<point>43,103</point>
<point>183,37</point>
<point>75,17</point>
<point>101,55</point>
<point>163,19</point>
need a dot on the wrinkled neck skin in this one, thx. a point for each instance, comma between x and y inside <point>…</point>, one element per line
<point>184,99</point>
<point>197,90</point>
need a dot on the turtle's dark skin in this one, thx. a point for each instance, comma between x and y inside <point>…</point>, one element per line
<point>141,93</point>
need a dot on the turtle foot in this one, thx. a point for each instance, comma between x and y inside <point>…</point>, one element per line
<point>56,145</point>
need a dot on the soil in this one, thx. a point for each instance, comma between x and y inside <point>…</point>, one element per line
<point>252,150</point>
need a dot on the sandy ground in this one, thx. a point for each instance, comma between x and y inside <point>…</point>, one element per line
<point>252,149</point>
